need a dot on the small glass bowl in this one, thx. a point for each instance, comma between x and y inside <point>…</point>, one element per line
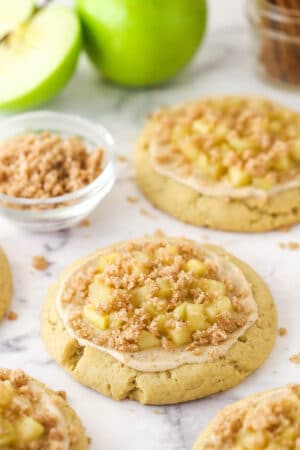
<point>67,210</point>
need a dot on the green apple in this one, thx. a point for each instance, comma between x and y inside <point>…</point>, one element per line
<point>39,56</point>
<point>141,42</point>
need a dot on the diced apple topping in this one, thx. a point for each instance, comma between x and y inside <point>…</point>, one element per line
<point>146,340</point>
<point>28,430</point>
<point>196,266</point>
<point>180,312</point>
<point>100,295</point>
<point>197,317</point>
<point>98,320</point>
<point>115,321</point>
<point>164,287</point>
<point>106,260</point>
<point>212,287</point>
<point>140,295</point>
<point>7,433</point>
<point>239,177</point>
<point>259,440</point>
<point>6,393</point>
<point>239,141</point>
<point>296,150</point>
<point>180,335</point>
<point>264,183</point>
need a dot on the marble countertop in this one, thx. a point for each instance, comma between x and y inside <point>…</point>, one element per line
<point>223,66</point>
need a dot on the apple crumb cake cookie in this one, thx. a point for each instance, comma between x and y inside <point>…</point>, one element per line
<point>230,163</point>
<point>265,421</point>
<point>34,418</point>
<point>5,284</point>
<point>159,320</point>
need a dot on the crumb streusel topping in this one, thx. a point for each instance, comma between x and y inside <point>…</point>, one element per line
<point>166,300</point>
<point>45,165</point>
<point>270,421</point>
<point>30,417</point>
<point>229,146</point>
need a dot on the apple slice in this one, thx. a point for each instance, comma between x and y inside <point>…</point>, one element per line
<point>13,13</point>
<point>39,57</point>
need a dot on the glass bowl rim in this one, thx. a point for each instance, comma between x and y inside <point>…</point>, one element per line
<point>97,182</point>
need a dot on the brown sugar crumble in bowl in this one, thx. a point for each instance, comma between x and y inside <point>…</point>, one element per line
<point>45,165</point>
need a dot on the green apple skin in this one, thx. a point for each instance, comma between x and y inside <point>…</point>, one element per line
<point>142,42</point>
<point>50,85</point>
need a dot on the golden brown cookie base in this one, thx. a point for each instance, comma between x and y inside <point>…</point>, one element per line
<point>5,284</point>
<point>106,375</point>
<point>245,215</point>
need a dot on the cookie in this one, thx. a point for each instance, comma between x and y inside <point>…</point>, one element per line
<point>159,320</point>
<point>229,163</point>
<point>33,416</point>
<point>5,284</point>
<point>266,421</point>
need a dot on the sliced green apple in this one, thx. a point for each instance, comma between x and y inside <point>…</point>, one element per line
<point>38,58</point>
<point>13,13</point>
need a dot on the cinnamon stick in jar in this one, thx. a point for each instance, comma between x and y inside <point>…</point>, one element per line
<point>279,53</point>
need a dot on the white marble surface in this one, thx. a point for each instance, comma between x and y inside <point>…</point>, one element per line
<point>224,66</point>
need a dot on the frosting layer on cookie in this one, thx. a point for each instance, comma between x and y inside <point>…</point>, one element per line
<point>231,147</point>
<point>155,304</point>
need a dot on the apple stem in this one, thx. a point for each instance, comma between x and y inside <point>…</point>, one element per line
<point>38,8</point>
<point>42,5</point>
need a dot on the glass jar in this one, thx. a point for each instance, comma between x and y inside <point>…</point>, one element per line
<point>276,29</point>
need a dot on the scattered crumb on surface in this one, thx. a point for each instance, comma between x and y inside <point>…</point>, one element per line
<point>132,199</point>
<point>146,213</point>
<point>159,233</point>
<point>295,358</point>
<point>12,315</point>
<point>39,262</point>
<point>85,223</point>
<point>285,228</point>
<point>122,158</point>
<point>158,412</point>
<point>89,440</point>
<point>282,331</point>
<point>292,245</point>
<point>62,394</point>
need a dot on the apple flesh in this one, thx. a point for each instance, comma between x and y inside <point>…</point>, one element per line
<point>13,13</point>
<point>39,57</point>
<point>142,42</point>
